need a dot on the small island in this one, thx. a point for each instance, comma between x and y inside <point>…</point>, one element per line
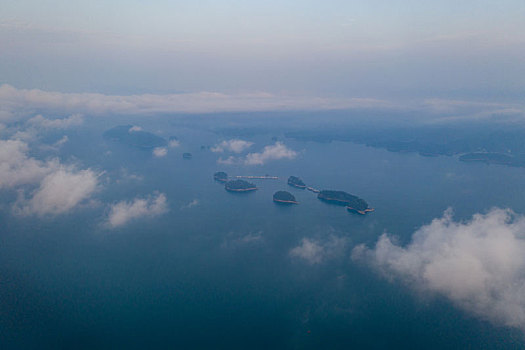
<point>353,203</point>
<point>239,186</point>
<point>187,155</point>
<point>494,158</point>
<point>220,176</point>
<point>296,182</point>
<point>283,197</point>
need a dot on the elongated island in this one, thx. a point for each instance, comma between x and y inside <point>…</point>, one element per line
<point>352,203</point>
<point>296,182</point>
<point>283,197</point>
<point>239,186</point>
<point>220,176</point>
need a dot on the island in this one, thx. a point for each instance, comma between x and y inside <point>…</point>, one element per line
<point>353,203</point>
<point>494,158</point>
<point>220,176</point>
<point>283,197</point>
<point>239,186</point>
<point>134,136</point>
<point>296,182</point>
<point>187,155</point>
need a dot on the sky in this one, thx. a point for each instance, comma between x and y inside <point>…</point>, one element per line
<point>372,49</point>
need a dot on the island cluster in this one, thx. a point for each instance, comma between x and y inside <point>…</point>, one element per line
<point>351,202</point>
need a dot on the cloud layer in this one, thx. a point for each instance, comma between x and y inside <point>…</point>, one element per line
<point>123,212</point>
<point>479,265</point>
<point>15,103</point>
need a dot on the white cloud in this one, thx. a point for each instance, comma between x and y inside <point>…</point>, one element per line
<point>123,212</point>
<point>60,191</point>
<point>233,145</point>
<point>228,161</point>
<point>135,128</point>
<point>191,204</point>
<point>173,143</point>
<point>315,251</point>
<point>160,152</point>
<point>479,265</point>
<point>62,141</point>
<point>40,122</point>
<point>16,168</point>
<point>309,250</point>
<point>55,146</point>
<point>271,152</point>
<point>234,240</point>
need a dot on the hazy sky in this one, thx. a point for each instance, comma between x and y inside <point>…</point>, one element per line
<point>345,48</point>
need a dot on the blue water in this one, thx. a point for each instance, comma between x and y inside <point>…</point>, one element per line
<point>219,274</point>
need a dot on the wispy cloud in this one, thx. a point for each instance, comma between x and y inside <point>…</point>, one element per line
<point>135,128</point>
<point>477,264</point>
<point>228,161</point>
<point>191,204</point>
<point>271,152</point>
<point>59,123</point>
<point>160,152</point>
<point>123,212</point>
<point>237,240</point>
<point>173,143</point>
<point>315,251</point>
<point>233,145</point>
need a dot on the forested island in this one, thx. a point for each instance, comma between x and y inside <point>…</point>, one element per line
<point>133,136</point>
<point>352,203</point>
<point>220,176</point>
<point>284,197</point>
<point>239,186</point>
<point>296,182</point>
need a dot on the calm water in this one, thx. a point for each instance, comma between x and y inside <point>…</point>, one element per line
<point>219,274</point>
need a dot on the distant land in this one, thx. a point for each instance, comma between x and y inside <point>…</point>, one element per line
<point>137,138</point>
<point>296,182</point>
<point>488,142</point>
<point>220,176</point>
<point>239,186</point>
<point>352,203</point>
<point>493,158</point>
<point>284,197</point>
